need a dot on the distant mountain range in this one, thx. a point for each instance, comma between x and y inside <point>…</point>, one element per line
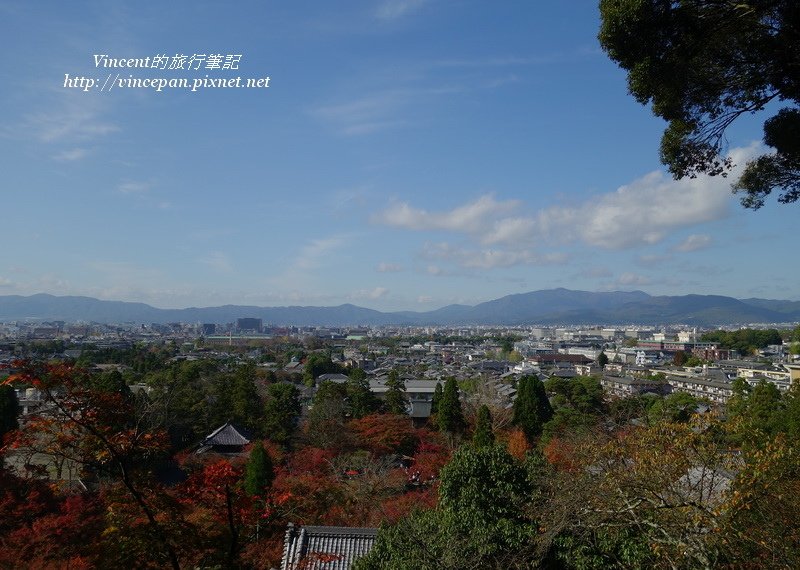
<point>546,307</point>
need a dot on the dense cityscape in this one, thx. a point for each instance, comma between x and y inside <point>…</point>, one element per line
<point>216,444</point>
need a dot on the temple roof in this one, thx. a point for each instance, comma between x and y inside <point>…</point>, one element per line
<point>226,435</point>
<point>325,547</point>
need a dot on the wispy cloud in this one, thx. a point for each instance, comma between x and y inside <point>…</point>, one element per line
<point>134,187</point>
<point>629,279</point>
<point>393,9</point>
<point>693,243</point>
<point>473,258</point>
<point>369,294</point>
<point>311,254</point>
<point>71,155</point>
<point>594,272</point>
<point>378,110</point>
<point>218,261</point>
<point>365,115</point>
<point>69,117</point>
<point>388,268</point>
<point>650,259</point>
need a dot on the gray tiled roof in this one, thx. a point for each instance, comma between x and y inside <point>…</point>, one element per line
<point>325,547</point>
<point>226,435</point>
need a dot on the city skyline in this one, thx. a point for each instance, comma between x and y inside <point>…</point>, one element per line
<point>406,155</point>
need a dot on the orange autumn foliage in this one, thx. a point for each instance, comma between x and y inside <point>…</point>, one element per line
<point>518,444</point>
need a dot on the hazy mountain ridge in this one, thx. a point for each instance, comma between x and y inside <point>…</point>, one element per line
<point>547,307</point>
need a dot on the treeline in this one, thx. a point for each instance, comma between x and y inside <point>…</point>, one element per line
<point>744,341</point>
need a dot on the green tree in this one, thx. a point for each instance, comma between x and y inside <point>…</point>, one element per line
<point>482,520</point>
<point>187,399</point>
<point>281,412</point>
<point>483,436</point>
<point>259,471</point>
<point>325,427</point>
<point>246,407</point>
<point>111,381</point>
<point>531,409</point>
<point>507,344</point>
<point>677,407</point>
<point>318,364</point>
<point>760,410</point>
<point>362,400</point>
<point>450,417</point>
<point>395,399</point>
<point>437,397</point>
<point>578,405</point>
<point>602,360</point>
<point>704,63</point>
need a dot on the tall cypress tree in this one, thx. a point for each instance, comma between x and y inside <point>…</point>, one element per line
<point>483,436</point>
<point>450,417</point>
<point>531,408</point>
<point>259,472</point>
<point>437,397</point>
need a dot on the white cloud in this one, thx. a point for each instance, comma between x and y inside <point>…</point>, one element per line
<point>434,270</point>
<point>629,279</point>
<point>424,299</point>
<point>71,155</point>
<point>133,187</point>
<point>393,9</point>
<point>500,233</point>
<point>646,210</point>
<point>503,238</point>
<point>69,117</point>
<point>693,243</point>
<point>389,268</point>
<point>509,230</point>
<point>370,294</point>
<point>479,218</point>
<point>595,272</point>
<point>379,110</point>
<point>649,259</point>
<point>366,115</point>
<point>314,251</point>
<point>218,261</point>
<point>485,258</point>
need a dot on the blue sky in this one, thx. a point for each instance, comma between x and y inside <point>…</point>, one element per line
<point>407,154</point>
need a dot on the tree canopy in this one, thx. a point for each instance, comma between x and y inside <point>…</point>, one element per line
<point>450,416</point>
<point>531,407</point>
<point>483,436</point>
<point>395,400</point>
<point>704,63</point>
<point>281,412</point>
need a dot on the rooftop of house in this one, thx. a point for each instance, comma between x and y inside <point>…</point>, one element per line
<point>225,436</point>
<point>325,547</point>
